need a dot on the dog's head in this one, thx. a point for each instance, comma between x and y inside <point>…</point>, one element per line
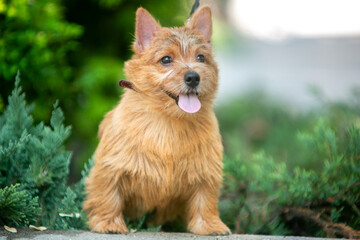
<point>174,67</point>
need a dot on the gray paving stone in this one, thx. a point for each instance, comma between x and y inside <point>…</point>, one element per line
<point>77,235</point>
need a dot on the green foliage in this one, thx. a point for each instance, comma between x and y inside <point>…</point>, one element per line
<point>70,212</point>
<point>36,39</point>
<point>80,186</point>
<point>1,105</point>
<point>34,157</point>
<point>17,207</point>
<point>279,195</point>
<point>70,209</point>
<point>98,80</point>
<point>255,122</point>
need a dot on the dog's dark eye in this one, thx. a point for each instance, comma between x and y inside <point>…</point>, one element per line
<point>166,60</point>
<point>200,58</point>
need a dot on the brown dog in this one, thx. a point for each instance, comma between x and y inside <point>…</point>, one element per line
<point>160,148</point>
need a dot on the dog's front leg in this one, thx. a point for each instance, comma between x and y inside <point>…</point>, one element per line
<point>104,203</point>
<point>202,213</point>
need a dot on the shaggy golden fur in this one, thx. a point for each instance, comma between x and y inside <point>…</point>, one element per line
<point>153,155</point>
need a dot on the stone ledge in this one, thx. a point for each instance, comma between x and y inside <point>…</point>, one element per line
<point>74,235</point>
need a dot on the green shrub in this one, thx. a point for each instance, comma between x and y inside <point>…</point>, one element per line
<point>34,168</point>
<point>269,198</point>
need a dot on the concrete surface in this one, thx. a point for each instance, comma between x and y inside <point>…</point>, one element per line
<point>61,234</point>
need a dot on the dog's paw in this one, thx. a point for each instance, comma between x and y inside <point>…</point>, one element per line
<point>116,225</point>
<point>213,228</point>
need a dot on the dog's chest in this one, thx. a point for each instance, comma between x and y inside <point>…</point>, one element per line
<point>168,157</point>
<point>175,139</point>
<point>180,153</point>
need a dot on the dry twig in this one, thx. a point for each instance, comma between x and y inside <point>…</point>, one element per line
<point>331,229</point>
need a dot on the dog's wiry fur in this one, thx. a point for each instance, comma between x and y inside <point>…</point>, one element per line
<point>152,155</point>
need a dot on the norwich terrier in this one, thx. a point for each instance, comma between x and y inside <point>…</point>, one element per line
<point>160,148</point>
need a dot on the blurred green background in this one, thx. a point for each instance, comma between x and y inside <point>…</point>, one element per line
<point>74,51</point>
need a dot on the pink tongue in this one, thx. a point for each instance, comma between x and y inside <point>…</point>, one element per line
<point>189,103</point>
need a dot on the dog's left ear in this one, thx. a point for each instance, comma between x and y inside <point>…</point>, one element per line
<point>201,20</point>
<point>145,28</point>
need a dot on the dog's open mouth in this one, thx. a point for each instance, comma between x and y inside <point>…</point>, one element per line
<point>188,102</point>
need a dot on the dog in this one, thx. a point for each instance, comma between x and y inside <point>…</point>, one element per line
<point>160,148</point>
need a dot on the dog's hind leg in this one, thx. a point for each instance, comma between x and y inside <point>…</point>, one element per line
<point>104,203</point>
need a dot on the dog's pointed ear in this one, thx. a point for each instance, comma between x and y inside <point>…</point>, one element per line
<point>145,28</point>
<point>201,20</point>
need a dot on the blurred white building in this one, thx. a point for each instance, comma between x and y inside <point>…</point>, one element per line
<point>278,19</point>
<point>286,46</point>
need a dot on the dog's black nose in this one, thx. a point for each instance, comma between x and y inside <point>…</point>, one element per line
<point>192,79</point>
